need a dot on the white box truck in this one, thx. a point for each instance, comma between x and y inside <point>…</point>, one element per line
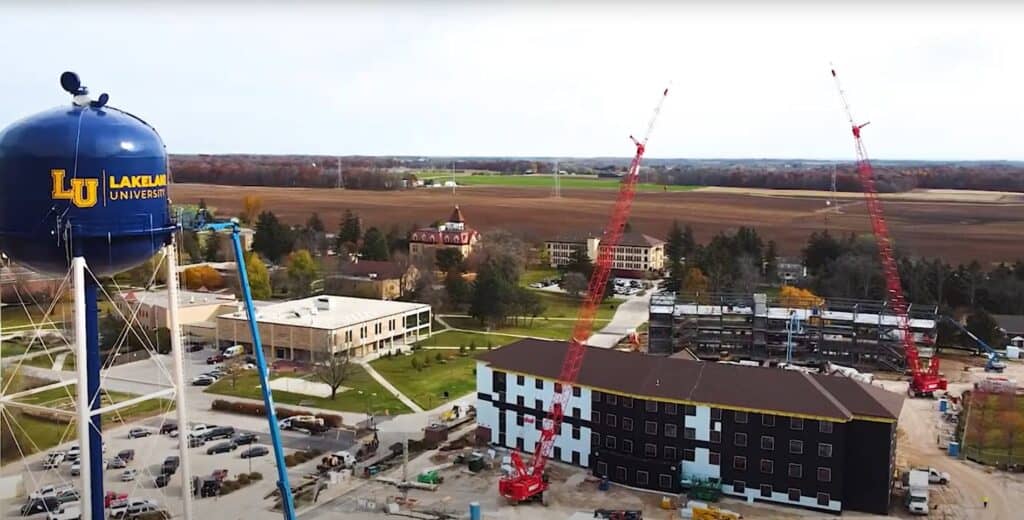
<point>917,492</point>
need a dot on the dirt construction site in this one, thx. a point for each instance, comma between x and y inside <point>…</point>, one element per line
<point>574,490</point>
<point>921,218</point>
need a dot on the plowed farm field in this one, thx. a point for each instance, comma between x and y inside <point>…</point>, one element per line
<point>958,226</point>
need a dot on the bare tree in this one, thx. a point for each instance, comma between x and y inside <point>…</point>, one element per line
<point>332,370</point>
<point>234,367</point>
<point>574,284</point>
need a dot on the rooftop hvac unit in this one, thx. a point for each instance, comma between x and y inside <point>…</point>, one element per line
<point>323,304</point>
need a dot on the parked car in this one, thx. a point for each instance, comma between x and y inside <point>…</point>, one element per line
<point>126,455</point>
<point>245,438</point>
<point>73,453</point>
<point>40,505</point>
<point>195,442</point>
<point>53,460</point>
<point>168,427</point>
<point>194,348</point>
<point>209,488</point>
<point>66,512</point>
<point>162,480</point>
<point>69,495</point>
<point>51,490</point>
<point>223,447</point>
<point>198,429</point>
<point>170,465</point>
<point>110,497</point>
<point>129,474</point>
<point>220,432</point>
<point>214,359</point>
<point>131,507</point>
<point>117,463</point>
<point>136,433</point>
<point>76,467</point>
<point>203,381</point>
<point>255,451</point>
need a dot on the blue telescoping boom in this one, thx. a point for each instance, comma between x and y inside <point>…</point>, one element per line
<point>994,364</point>
<point>287,502</point>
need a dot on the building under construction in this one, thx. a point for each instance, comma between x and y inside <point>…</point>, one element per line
<point>859,333</point>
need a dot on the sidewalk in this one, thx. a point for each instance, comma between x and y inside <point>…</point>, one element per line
<point>390,387</point>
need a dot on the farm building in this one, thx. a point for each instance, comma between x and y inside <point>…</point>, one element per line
<point>636,252</point>
<point>821,442</point>
<point>755,327</point>
<point>301,330</point>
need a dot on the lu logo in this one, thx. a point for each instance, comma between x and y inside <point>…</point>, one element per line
<point>82,192</point>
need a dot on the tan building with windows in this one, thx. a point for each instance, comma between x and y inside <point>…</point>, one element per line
<point>454,234</point>
<point>635,252</point>
<point>373,279</point>
<point>304,330</point>
<point>197,311</point>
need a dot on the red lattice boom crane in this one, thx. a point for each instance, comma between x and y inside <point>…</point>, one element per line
<point>525,484</point>
<point>923,381</point>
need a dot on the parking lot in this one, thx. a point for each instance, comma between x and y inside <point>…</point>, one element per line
<point>151,451</point>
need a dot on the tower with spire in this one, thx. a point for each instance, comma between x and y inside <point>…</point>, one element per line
<point>425,242</point>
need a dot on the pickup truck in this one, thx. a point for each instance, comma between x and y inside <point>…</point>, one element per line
<point>935,476</point>
<point>304,424</point>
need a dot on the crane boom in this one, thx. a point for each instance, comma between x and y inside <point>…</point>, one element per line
<point>525,484</point>
<point>922,382</point>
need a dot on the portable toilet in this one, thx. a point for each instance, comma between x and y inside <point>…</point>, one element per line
<point>953,449</point>
<point>1013,351</point>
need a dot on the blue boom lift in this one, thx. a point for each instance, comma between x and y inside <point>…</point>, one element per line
<point>283,486</point>
<point>994,363</point>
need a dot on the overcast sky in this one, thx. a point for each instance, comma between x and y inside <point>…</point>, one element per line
<point>539,80</point>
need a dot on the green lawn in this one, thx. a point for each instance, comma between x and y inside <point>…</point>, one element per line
<point>455,338</point>
<point>541,328</point>
<point>564,306</point>
<point>536,275</point>
<point>427,384</point>
<point>16,316</point>
<point>547,181</point>
<point>248,385</point>
<point>33,433</point>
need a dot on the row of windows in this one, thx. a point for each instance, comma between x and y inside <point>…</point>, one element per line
<point>640,477</point>
<point>795,446</point>
<point>767,467</point>
<point>538,383</point>
<point>650,451</point>
<point>652,406</point>
<point>795,423</point>
<point>793,494</point>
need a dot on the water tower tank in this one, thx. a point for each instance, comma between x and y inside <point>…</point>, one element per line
<point>83,180</point>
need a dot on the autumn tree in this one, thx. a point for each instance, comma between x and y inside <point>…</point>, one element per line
<point>302,270</point>
<point>203,276</point>
<point>695,281</point>
<point>790,296</point>
<point>251,205</point>
<point>259,277</point>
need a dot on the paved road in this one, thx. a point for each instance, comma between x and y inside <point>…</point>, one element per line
<point>631,314</point>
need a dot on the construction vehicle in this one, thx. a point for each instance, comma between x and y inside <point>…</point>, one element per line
<point>923,381</point>
<point>523,484</point>
<point>708,512</point>
<point>994,363</point>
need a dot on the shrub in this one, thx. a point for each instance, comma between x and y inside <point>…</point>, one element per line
<point>243,479</point>
<point>255,475</point>
<point>489,345</point>
<point>472,345</point>
<point>437,357</point>
<point>289,460</point>
<point>415,362</point>
<point>462,350</point>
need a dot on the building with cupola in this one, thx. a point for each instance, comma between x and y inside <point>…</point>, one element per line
<point>453,234</point>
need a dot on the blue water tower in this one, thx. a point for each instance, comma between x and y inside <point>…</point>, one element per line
<point>84,181</point>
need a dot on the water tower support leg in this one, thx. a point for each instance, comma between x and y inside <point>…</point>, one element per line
<point>81,347</point>
<point>92,343</point>
<point>178,354</point>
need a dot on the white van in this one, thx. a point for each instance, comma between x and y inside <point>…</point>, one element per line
<point>69,511</point>
<point>236,350</point>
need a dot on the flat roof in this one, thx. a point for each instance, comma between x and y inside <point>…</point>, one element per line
<point>343,311</point>
<point>766,390</point>
<point>186,298</point>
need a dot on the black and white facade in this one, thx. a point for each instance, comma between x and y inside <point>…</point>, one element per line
<point>831,460</point>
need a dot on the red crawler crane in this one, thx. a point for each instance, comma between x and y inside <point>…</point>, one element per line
<point>529,484</point>
<point>923,382</point>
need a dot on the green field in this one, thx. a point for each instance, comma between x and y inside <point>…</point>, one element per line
<point>561,305</point>
<point>64,398</point>
<point>456,338</point>
<point>536,275</point>
<point>248,385</point>
<point>538,181</point>
<point>426,385</point>
<point>540,327</point>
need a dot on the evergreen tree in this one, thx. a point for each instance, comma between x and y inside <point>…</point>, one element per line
<point>457,287</point>
<point>448,258</point>
<point>273,239</point>
<point>375,246</point>
<point>688,242</point>
<point>579,262</point>
<point>674,245</point>
<point>771,262</point>
<point>350,232</point>
<point>492,296</point>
